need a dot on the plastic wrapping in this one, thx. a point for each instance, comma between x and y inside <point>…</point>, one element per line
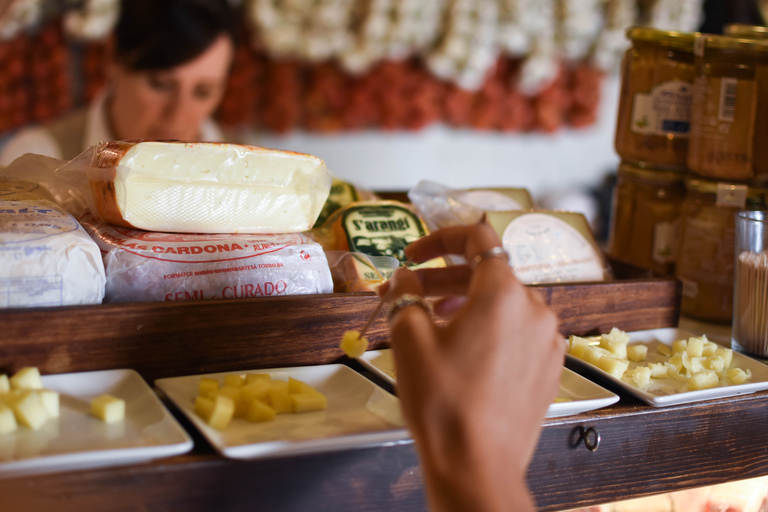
<point>358,272</point>
<point>152,266</point>
<point>550,247</point>
<point>200,187</point>
<point>441,206</point>
<point>46,258</point>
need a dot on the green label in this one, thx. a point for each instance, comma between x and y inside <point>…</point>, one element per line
<point>381,230</point>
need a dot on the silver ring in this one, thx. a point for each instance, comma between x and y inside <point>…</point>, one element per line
<point>405,300</point>
<point>494,252</point>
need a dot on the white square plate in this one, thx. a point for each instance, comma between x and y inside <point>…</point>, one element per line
<point>359,413</point>
<point>579,394</point>
<point>77,440</point>
<point>665,392</point>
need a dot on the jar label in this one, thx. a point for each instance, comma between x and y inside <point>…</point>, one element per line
<point>664,242</point>
<point>732,196</point>
<point>665,110</point>
<point>544,249</point>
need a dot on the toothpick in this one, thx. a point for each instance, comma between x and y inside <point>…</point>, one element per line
<point>371,318</point>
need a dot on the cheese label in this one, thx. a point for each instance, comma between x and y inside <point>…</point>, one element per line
<point>342,194</point>
<point>489,200</point>
<point>23,221</point>
<point>545,249</point>
<point>381,229</point>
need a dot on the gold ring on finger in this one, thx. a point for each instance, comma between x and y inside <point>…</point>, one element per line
<point>405,300</point>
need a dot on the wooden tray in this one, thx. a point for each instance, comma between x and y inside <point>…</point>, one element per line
<point>168,339</point>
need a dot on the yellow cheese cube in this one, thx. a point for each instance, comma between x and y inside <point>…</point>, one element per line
<point>207,386</point>
<point>29,409</point>
<point>7,420</point>
<point>637,352</point>
<point>250,377</point>
<point>204,407</point>
<point>695,347</point>
<point>27,378</point>
<point>234,380</point>
<point>309,401</point>
<point>736,376</point>
<point>353,345</point>
<point>616,335</point>
<point>577,346</point>
<point>279,398</point>
<point>614,344</point>
<point>677,361</point>
<point>108,408</point>
<point>704,379</point>
<point>614,367</point>
<point>679,346</point>
<point>258,411</point>
<point>726,354</point>
<point>658,370</point>
<point>592,354</point>
<point>222,413</point>
<point>663,350</point>
<point>709,348</point>
<point>5,384</point>
<point>296,386</point>
<point>236,395</point>
<point>715,363</point>
<point>256,390</point>
<point>641,376</point>
<point>50,401</point>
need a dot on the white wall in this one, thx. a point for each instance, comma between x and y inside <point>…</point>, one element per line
<point>542,163</point>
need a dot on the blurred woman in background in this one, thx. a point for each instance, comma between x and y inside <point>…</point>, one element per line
<point>167,71</point>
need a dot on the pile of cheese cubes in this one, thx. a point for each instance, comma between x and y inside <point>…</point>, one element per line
<point>24,401</point>
<point>696,362</point>
<point>255,398</point>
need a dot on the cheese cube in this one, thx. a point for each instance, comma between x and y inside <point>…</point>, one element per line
<point>279,398</point>
<point>234,381</point>
<point>695,347</point>
<point>50,401</point>
<point>663,350</point>
<point>616,335</point>
<point>250,377</point>
<point>309,401</point>
<point>353,345</point>
<point>679,346</point>
<point>29,410</point>
<point>207,386</point>
<point>726,354</point>
<point>614,343</point>
<point>614,367</point>
<point>258,411</point>
<point>704,379</point>
<point>27,378</point>
<point>7,420</point>
<point>641,376</point>
<point>235,394</point>
<point>222,413</point>
<point>108,408</point>
<point>637,352</point>
<point>296,386</point>
<point>658,370</point>
<point>677,361</point>
<point>204,406</point>
<point>256,390</point>
<point>577,346</point>
<point>736,376</point>
<point>5,384</point>
<point>672,372</point>
<point>592,354</point>
<point>715,363</point>
<point>709,348</point>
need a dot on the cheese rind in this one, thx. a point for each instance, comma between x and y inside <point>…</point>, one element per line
<point>207,188</point>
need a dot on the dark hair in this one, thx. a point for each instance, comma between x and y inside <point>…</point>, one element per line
<point>161,34</point>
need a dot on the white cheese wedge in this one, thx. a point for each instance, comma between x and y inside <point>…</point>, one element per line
<point>207,187</point>
<point>108,408</point>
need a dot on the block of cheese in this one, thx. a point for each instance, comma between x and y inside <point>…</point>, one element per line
<point>207,187</point>
<point>46,257</point>
<point>147,266</point>
<point>550,246</point>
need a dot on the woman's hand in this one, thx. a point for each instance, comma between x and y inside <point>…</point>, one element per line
<point>475,391</point>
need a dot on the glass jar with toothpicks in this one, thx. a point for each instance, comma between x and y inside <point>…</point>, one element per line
<point>750,295</point>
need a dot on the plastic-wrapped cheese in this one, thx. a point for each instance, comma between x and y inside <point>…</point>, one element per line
<point>12,189</point>
<point>207,187</point>
<point>151,266</point>
<point>46,258</point>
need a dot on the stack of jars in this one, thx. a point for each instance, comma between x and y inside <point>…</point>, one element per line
<point>692,133</point>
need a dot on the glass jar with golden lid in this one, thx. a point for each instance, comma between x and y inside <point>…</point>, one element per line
<point>644,222</point>
<point>706,251</point>
<point>730,105</point>
<point>656,92</point>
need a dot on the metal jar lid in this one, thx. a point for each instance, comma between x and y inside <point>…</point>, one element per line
<point>743,45</point>
<point>679,40</point>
